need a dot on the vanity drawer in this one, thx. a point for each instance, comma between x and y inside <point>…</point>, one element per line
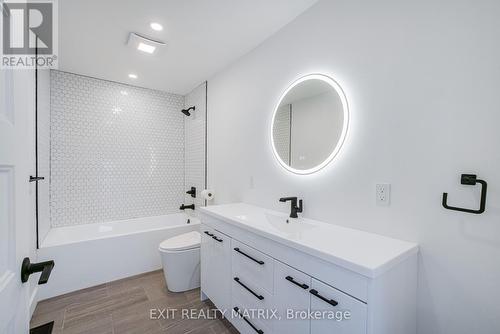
<point>250,297</point>
<point>329,299</point>
<point>245,324</point>
<point>253,266</point>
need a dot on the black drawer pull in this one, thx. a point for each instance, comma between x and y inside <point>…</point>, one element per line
<point>248,256</point>
<point>326,300</point>
<point>302,285</point>
<point>260,331</point>
<point>209,234</point>
<point>217,239</point>
<point>237,280</point>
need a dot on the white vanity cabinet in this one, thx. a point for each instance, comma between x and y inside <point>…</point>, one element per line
<point>292,293</point>
<point>349,314</point>
<point>300,299</point>
<point>216,266</point>
<point>305,277</point>
<point>253,286</point>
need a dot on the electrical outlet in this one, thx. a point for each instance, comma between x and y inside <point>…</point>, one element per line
<point>383,194</point>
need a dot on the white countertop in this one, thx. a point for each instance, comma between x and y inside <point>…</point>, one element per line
<point>365,253</point>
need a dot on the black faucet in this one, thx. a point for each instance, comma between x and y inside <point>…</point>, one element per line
<point>184,207</point>
<point>294,208</point>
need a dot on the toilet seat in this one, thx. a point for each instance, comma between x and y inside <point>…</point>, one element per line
<point>182,242</point>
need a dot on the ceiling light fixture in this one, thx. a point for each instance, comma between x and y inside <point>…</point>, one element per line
<point>144,44</point>
<point>146,48</point>
<point>156,26</point>
<point>132,76</point>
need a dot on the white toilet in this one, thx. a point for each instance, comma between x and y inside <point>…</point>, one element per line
<point>180,257</point>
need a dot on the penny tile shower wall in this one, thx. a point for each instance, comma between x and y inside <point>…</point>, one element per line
<point>195,131</point>
<point>116,151</point>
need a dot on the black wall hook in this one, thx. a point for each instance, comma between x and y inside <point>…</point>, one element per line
<point>471,180</point>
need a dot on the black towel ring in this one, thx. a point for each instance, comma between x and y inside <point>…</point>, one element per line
<point>469,179</point>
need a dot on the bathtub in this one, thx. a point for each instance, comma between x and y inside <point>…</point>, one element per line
<point>92,254</point>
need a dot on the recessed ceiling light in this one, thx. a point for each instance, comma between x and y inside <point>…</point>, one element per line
<point>124,92</point>
<point>156,26</point>
<point>146,48</point>
<point>132,76</point>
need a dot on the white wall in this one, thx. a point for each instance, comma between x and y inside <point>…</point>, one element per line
<point>422,79</point>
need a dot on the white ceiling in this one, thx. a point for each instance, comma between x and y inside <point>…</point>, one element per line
<point>202,36</point>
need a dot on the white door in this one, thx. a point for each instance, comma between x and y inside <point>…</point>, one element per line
<point>17,233</point>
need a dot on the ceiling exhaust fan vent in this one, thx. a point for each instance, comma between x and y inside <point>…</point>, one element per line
<point>144,44</point>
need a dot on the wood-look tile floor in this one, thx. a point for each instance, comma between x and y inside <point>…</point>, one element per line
<point>124,307</point>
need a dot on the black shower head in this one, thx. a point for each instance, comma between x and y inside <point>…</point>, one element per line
<point>186,111</point>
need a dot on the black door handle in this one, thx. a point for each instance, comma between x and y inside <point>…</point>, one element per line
<point>217,239</point>
<point>259,297</point>
<point>209,234</point>
<point>326,300</point>
<point>259,331</point>
<point>28,268</point>
<point>292,280</point>
<point>248,256</point>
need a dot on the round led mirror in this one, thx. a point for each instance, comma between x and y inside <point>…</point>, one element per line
<point>309,124</point>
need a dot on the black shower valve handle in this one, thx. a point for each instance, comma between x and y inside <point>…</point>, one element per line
<point>192,192</point>
<point>184,207</point>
